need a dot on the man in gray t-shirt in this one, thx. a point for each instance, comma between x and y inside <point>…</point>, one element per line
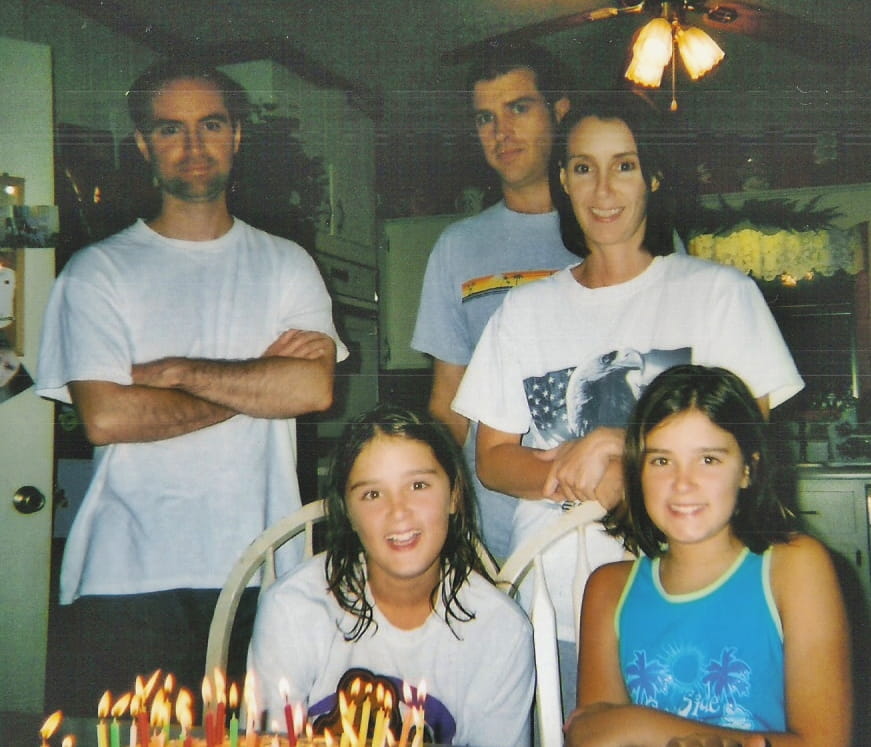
<point>518,97</point>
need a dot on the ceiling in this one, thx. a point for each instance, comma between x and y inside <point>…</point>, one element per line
<point>392,49</point>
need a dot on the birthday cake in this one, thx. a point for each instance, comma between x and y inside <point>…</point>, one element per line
<point>366,714</point>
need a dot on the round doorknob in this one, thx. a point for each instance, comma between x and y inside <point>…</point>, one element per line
<point>28,500</point>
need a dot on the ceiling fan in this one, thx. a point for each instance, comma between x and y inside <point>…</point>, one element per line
<point>793,33</point>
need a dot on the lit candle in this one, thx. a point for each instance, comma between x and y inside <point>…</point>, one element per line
<point>379,736</point>
<point>119,709</point>
<point>297,723</point>
<point>221,697</point>
<point>234,718</point>
<point>139,735</point>
<point>284,692</point>
<point>408,716</point>
<point>50,726</point>
<point>68,741</point>
<point>348,712</point>
<point>208,713</point>
<point>134,713</point>
<point>184,714</point>
<point>102,727</point>
<point>158,715</point>
<point>250,711</point>
<point>142,727</point>
<point>363,731</point>
<point>419,722</point>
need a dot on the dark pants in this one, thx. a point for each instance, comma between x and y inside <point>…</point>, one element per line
<point>102,643</point>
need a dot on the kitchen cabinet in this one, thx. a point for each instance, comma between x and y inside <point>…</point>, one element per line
<point>833,504</point>
<point>332,128</point>
<point>402,257</point>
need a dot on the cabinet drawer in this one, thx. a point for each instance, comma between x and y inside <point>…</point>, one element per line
<point>836,510</point>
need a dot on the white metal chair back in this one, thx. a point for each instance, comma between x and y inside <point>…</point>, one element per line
<point>260,554</point>
<point>526,562</point>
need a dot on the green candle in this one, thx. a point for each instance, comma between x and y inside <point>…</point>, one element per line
<point>234,731</point>
<point>114,734</point>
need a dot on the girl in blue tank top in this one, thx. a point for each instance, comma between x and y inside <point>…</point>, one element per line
<point>730,626</point>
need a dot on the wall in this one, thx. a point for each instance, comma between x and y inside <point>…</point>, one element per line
<point>92,66</point>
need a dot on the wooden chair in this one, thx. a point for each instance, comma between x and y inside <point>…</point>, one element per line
<point>526,563</point>
<point>261,554</point>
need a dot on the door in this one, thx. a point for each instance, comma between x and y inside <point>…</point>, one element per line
<point>25,419</point>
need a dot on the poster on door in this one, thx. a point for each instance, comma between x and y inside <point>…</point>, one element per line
<point>14,378</point>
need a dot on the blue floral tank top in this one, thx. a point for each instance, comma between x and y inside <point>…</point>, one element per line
<point>715,655</point>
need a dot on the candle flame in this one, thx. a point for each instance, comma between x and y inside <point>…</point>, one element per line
<point>284,688</point>
<point>150,685</point>
<point>355,687</point>
<point>105,704</point>
<point>49,727</point>
<point>328,738</point>
<point>68,741</point>
<point>207,693</point>
<point>184,709</point>
<point>388,702</point>
<point>343,703</point>
<point>421,692</point>
<point>220,686</point>
<point>169,683</point>
<point>158,711</point>
<point>297,718</point>
<point>234,696</point>
<point>139,686</point>
<point>121,704</point>
<point>406,693</point>
<point>379,694</point>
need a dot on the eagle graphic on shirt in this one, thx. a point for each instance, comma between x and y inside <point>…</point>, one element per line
<point>601,391</point>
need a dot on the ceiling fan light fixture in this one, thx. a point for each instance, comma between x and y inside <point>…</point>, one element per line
<point>699,52</point>
<point>649,75</point>
<point>651,53</point>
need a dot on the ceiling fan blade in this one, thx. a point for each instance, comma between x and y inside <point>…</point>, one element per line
<point>797,35</point>
<point>551,26</point>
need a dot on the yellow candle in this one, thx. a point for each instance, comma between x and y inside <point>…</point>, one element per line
<point>363,731</point>
<point>406,726</point>
<point>347,713</point>
<point>380,734</point>
<point>102,733</point>
<point>419,721</point>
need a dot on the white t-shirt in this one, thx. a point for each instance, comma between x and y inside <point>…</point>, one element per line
<point>177,513</point>
<point>558,359</point>
<point>479,674</point>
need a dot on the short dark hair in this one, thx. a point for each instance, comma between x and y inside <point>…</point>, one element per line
<point>459,557</point>
<point>760,519</point>
<point>498,59</point>
<point>165,71</point>
<point>646,128</point>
